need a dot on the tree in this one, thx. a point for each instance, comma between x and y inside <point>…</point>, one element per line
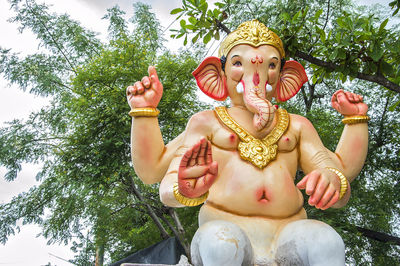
<point>340,45</point>
<point>89,194</point>
<point>337,40</point>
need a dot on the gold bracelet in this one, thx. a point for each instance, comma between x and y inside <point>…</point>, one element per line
<point>188,201</point>
<point>343,181</point>
<point>145,111</point>
<point>355,119</point>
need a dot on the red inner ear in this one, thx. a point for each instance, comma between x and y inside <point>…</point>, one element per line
<point>210,80</point>
<point>293,76</point>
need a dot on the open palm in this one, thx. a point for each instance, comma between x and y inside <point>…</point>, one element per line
<point>197,170</point>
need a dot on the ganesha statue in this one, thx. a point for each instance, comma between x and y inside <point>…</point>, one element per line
<point>240,162</point>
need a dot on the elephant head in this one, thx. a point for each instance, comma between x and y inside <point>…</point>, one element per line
<point>251,70</point>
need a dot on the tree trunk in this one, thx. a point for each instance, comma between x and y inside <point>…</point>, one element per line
<point>185,243</point>
<point>150,211</point>
<point>99,255</point>
<point>178,234</point>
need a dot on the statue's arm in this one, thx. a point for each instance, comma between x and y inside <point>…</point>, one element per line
<point>321,184</point>
<point>192,167</point>
<point>150,157</point>
<point>352,148</point>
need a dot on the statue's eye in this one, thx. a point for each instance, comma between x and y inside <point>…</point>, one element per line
<point>272,65</point>
<point>237,63</point>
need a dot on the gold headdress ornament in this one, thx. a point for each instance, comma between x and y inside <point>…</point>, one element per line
<point>253,33</point>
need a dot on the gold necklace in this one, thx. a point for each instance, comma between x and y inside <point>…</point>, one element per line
<point>257,151</point>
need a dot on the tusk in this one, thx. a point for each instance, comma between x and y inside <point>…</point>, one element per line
<point>239,87</point>
<point>268,88</point>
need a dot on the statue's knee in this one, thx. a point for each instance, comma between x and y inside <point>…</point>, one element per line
<point>310,242</point>
<point>221,243</point>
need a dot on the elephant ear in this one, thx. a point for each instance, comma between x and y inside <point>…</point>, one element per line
<point>293,76</point>
<point>210,79</point>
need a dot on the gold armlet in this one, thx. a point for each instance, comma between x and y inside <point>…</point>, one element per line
<point>343,181</point>
<point>188,201</point>
<point>146,111</point>
<point>356,119</point>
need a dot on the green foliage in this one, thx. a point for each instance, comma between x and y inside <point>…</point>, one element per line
<point>396,6</point>
<point>338,39</point>
<point>118,26</point>
<point>201,20</point>
<point>89,193</point>
<point>147,28</point>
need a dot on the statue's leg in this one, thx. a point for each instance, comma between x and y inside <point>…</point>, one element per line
<point>309,242</point>
<point>221,243</point>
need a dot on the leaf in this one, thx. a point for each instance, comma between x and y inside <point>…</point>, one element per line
<point>392,108</point>
<point>216,13</point>
<point>383,25</point>
<point>333,55</point>
<point>192,20</point>
<point>183,23</point>
<point>341,54</point>
<point>340,22</point>
<point>318,14</point>
<point>322,34</point>
<point>219,5</point>
<point>387,69</point>
<point>207,38</point>
<point>285,16</point>
<point>217,37</point>
<point>376,53</point>
<point>196,37</point>
<point>203,7</point>
<point>176,11</point>
<point>338,37</point>
<point>296,16</point>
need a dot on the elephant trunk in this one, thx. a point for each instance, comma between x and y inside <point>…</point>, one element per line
<point>255,100</point>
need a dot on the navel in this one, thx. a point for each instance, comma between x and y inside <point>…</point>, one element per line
<point>261,195</point>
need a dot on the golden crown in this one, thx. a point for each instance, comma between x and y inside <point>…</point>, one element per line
<point>253,33</point>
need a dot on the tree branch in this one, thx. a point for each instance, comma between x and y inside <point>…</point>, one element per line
<point>150,211</point>
<point>180,236</point>
<point>378,79</point>
<point>51,36</point>
<point>327,14</point>
<point>382,237</point>
<point>380,138</point>
<point>222,26</point>
<point>181,230</point>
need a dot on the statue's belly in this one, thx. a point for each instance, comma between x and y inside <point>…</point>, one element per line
<point>243,189</point>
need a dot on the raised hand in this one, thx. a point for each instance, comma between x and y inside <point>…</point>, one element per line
<point>147,92</point>
<point>197,170</point>
<point>348,103</point>
<point>323,187</point>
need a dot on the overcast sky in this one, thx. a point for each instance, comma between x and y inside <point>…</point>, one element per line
<point>25,248</point>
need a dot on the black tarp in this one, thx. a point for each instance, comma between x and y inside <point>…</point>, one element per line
<point>167,251</point>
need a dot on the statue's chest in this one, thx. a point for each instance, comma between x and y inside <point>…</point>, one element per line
<point>227,140</point>
<point>259,152</point>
